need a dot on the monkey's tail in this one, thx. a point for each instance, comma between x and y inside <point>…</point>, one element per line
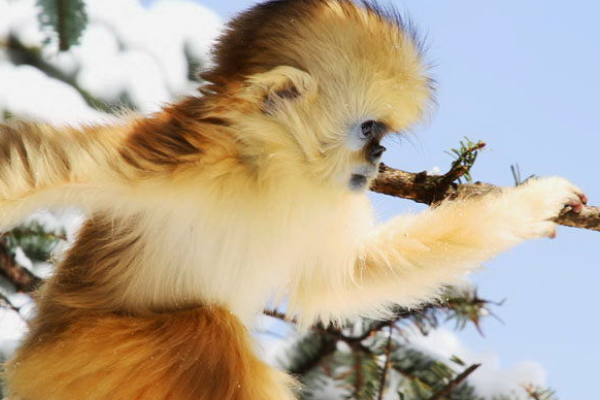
<point>200,354</point>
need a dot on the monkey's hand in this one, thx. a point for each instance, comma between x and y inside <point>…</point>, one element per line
<point>538,201</point>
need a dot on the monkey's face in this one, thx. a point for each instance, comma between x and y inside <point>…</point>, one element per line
<point>330,128</point>
<point>327,81</point>
<point>355,121</point>
<point>337,119</point>
<point>328,124</point>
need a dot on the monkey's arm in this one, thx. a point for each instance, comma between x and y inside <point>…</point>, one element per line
<point>91,167</point>
<point>409,259</point>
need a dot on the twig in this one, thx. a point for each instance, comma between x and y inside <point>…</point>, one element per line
<point>278,315</point>
<point>31,232</point>
<point>359,382</point>
<point>386,365</point>
<point>8,304</point>
<point>445,392</point>
<point>5,302</point>
<point>537,393</point>
<point>399,315</point>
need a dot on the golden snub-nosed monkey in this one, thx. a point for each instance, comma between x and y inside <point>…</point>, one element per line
<point>253,190</point>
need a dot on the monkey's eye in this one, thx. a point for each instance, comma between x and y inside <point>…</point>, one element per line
<point>368,129</point>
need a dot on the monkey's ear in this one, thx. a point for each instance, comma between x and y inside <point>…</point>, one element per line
<point>279,85</point>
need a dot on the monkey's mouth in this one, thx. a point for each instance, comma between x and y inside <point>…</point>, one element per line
<point>360,176</point>
<point>358,182</point>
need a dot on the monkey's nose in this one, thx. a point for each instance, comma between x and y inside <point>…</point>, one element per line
<point>376,152</point>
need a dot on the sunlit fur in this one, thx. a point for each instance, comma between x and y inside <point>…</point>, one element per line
<point>202,213</point>
<point>199,354</point>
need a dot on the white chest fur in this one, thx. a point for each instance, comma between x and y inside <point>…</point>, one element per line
<point>242,253</point>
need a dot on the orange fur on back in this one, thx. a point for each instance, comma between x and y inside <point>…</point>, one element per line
<point>197,354</point>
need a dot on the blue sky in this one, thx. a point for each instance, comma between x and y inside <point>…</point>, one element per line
<point>522,76</point>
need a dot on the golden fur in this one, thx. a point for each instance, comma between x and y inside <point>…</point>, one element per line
<point>199,354</point>
<point>254,191</point>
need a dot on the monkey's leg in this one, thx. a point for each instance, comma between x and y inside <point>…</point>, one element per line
<point>199,354</point>
<point>409,259</point>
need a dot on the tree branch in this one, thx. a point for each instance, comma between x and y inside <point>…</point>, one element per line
<point>22,278</point>
<point>327,345</point>
<point>19,53</point>
<point>429,189</point>
<point>386,364</point>
<point>5,302</point>
<point>445,392</point>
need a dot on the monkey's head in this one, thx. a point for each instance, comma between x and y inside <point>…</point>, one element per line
<point>322,83</point>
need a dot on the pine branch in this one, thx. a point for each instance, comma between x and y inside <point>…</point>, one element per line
<point>464,160</point>
<point>359,377</point>
<point>429,189</point>
<point>463,306</point>
<point>21,277</point>
<point>537,393</point>
<point>5,302</point>
<point>67,18</point>
<point>36,241</point>
<point>315,350</point>
<point>445,392</point>
<point>19,53</point>
<point>386,364</point>
<point>325,346</point>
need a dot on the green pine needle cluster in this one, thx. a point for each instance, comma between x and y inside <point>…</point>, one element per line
<point>36,241</point>
<point>67,20</point>
<point>358,374</point>
<point>373,360</point>
<point>422,376</point>
<point>465,157</point>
